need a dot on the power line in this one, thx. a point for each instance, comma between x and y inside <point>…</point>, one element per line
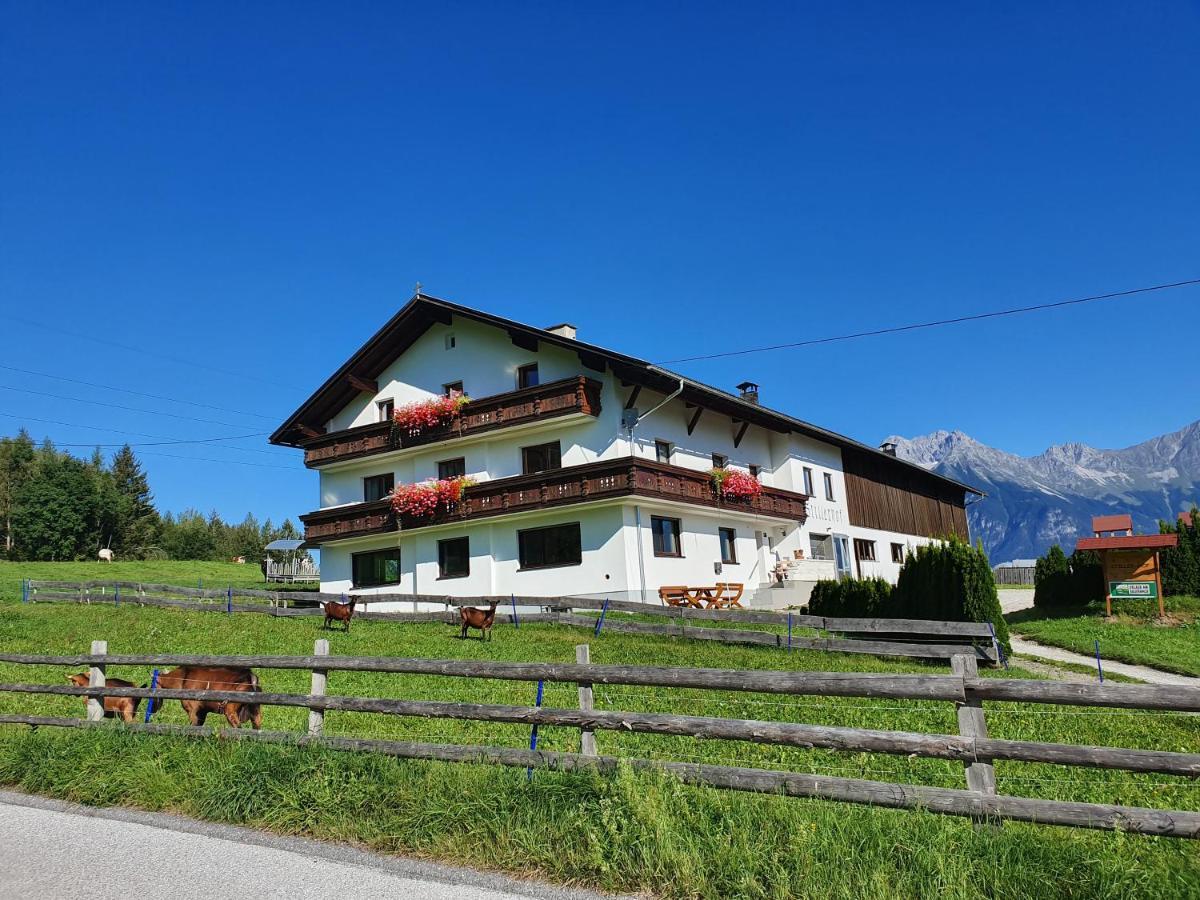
<point>109,387</point>
<point>896,329</point>
<point>165,438</point>
<point>150,412</point>
<point>235,462</point>
<point>144,351</point>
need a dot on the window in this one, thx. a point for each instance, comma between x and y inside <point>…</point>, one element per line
<point>864,550</point>
<point>376,568</point>
<point>808,481</point>
<point>454,558</point>
<point>386,408</point>
<point>828,486</point>
<point>755,471</point>
<point>452,468</point>
<point>376,487</point>
<point>666,536</point>
<point>898,553</point>
<point>450,342</point>
<point>821,546</point>
<point>527,376</point>
<point>662,451</point>
<point>728,545</point>
<point>453,389</point>
<point>558,545</point>
<point>541,458</point>
<point>720,461</point>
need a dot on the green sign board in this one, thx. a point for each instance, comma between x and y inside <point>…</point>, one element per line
<point>1131,590</point>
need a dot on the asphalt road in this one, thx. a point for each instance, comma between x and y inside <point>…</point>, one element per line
<point>63,851</point>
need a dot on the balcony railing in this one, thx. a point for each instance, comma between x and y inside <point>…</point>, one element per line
<point>578,394</point>
<point>577,484</point>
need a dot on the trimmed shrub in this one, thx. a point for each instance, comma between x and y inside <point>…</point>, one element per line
<point>852,598</point>
<point>1087,577</point>
<point>1181,564</point>
<point>1052,585</point>
<point>949,581</point>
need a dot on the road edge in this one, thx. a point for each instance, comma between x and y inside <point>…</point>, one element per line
<point>400,866</point>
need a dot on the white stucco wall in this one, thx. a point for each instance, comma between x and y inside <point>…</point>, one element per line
<point>486,361</point>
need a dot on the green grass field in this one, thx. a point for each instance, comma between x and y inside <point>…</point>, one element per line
<point>632,832</point>
<point>1134,637</point>
<point>179,574</point>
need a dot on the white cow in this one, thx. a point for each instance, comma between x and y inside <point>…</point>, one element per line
<point>105,555</point>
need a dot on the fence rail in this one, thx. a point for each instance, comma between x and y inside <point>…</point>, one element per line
<point>964,688</point>
<point>881,637</point>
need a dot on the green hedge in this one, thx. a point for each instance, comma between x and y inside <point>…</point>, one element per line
<point>1061,581</point>
<point>1052,580</point>
<point>949,581</point>
<point>852,598</point>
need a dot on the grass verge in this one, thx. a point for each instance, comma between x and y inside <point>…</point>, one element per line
<point>635,831</point>
<point>629,832</point>
<point>1134,636</point>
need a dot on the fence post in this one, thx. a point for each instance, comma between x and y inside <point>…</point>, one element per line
<point>603,613</point>
<point>533,732</point>
<point>229,599</point>
<point>516,624</point>
<point>1099,668</point>
<point>587,737</point>
<point>789,632</point>
<point>981,776</point>
<point>24,590</point>
<point>117,594</point>
<point>316,717</point>
<point>150,707</point>
<point>95,705</point>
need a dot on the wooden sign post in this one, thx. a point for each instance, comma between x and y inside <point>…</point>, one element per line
<point>1132,574</point>
<point>1132,569</point>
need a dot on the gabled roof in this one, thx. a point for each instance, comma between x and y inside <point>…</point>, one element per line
<point>422,311</point>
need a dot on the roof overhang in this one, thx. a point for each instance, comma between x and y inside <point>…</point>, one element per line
<point>423,311</point>
<point>1129,542</point>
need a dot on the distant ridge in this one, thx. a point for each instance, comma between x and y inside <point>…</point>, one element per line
<point>1036,501</point>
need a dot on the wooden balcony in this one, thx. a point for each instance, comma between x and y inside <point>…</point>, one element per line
<point>577,484</point>
<point>578,394</point>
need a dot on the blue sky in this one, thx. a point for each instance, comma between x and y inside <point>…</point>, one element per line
<point>238,195</point>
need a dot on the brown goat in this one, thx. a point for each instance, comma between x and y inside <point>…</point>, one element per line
<point>214,678</point>
<point>473,617</point>
<point>339,612</point>
<point>125,707</point>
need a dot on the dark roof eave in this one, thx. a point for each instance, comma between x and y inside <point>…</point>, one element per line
<point>628,368</point>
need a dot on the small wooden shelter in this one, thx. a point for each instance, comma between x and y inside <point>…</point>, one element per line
<point>1132,569</point>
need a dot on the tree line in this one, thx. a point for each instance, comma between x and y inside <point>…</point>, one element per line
<point>56,506</point>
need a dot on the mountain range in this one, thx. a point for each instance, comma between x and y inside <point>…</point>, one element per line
<point>1035,501</point>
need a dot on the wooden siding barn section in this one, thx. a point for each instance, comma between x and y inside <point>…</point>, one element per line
<point>881,494</point>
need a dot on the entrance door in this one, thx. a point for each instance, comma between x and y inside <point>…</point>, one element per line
<point>841,551</point>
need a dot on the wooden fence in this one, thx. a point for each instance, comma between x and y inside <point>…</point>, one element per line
<point>1014,575</point>
<point>964,688</point>
<point>881,637</point>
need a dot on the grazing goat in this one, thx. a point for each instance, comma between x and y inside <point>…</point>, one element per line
<point>473,617</point>
<point>125,707</point>
<point>213,678</point>
<point>105,555</point>
<point>340,612</point>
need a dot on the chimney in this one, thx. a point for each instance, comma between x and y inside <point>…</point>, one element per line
<point>888,447</point>
<point>564,330</point>
<point>749,392</point>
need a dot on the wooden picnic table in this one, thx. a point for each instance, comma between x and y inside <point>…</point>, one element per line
<point>723,595</point>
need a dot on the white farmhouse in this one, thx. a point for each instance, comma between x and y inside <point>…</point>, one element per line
<point>591,474</point>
